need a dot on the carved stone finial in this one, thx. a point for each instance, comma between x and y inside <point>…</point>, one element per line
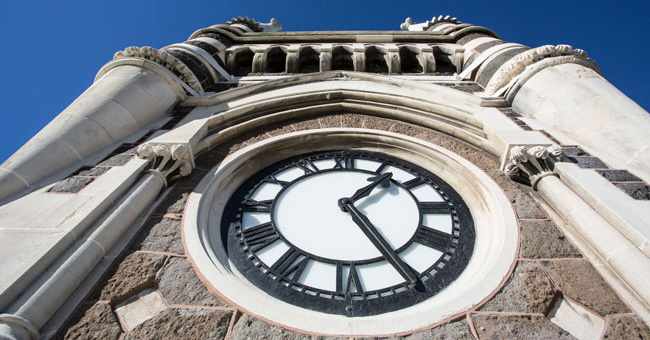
<point>409,25</point>
<point>160,156</point>
<point>528,165</point>
<point>272,26</point>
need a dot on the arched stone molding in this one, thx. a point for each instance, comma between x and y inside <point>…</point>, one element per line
<point>342,58</point>
<point>242,109</point>
<point>239,60</point>
<point>164,59</point>
<point>412,60</point>
<point>499,82</point>
<point>375,59</point>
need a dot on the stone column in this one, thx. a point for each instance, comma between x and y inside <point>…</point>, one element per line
<point>121,102</point>
<point>575,103</point>
<point>27,316</point>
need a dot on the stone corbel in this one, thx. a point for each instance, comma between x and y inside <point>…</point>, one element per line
<point>168,162</point>
<point>527,165</point>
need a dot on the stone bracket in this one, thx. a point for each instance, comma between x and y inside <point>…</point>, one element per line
<point>529,164</point>
<point>168,161</point>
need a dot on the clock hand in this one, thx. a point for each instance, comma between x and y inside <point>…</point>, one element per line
<point>383,180</point>
<point>346,204</point>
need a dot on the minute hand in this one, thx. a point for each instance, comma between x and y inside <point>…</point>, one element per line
<point>382,245</point>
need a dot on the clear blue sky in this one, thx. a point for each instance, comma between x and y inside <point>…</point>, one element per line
<point>51,50</point>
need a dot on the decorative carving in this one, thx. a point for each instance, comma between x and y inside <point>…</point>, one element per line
<point>166,60</point>
<point>528,165</point>
<point>160,156</point>
<point>272,26</point>
<point>408,24</point>
<point>517,64</point>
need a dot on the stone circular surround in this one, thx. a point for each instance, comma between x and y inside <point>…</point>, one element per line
<point>495,222</point>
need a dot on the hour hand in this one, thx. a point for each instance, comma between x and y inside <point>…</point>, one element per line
<point>379,241</point>
<point>383,180</point>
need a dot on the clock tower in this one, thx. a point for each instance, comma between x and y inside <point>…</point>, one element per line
<point>430,181</point>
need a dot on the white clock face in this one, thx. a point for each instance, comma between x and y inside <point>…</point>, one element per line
<point>346,232</point>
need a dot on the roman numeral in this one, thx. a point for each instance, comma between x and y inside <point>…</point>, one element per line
<point>352,280</point>
<point>433,238</point>
<point>260,236</point>
<point>257,206</point>
<point>413,183</point>
<point>272,179</point>
<point>307,166</point>
<point>344,161</point>
<point>284,266</point>
<point>434,207</point>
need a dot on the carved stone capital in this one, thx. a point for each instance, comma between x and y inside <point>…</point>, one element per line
<point>528,165</point>
<point>409,25</point>
<point>516,65</point>
<point>164,59</point>
<point>167,161</point>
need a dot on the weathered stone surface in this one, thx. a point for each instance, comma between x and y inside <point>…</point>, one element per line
<point>627,327</point>
<point>377,123</point>
<point>543,240</point>
<point>185,324</point>
<point>193,179</point>
<point>638,191</point>
<point>618,176</point>
<point>253,136</point>
<point>116,160</point>
<point>529,290</point>
<point>174,203</point>
<point>209,159</point>
<point>517,327</point>
<point>94,171</point>
<point>179,285</point>
<point>308,124</point>
<point>161,234</point>
<point>250,328</point>
<point>281,130</point>
<point>577,279</point>
<point>406,129</point>
<point>588,162</point>
<point>330,121</point>
<point>502,180</point>
<point>72,184</point>
<point>135,272</point>
<point>525,206</point>
<point>450,331</point>
<point>98,322</point>
<point>352,120</point>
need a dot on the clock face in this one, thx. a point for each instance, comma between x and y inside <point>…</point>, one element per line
<point>353,233</point>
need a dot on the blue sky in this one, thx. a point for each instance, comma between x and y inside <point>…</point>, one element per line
<point>52,49</point>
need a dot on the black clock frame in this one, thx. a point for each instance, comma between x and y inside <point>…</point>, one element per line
<point>275,280</point>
